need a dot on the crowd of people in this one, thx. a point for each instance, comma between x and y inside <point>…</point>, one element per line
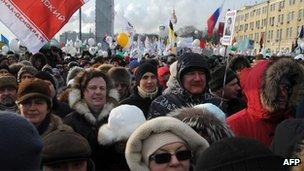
<point>177,112</point>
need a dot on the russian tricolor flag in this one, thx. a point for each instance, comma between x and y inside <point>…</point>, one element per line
<point>213,19</point>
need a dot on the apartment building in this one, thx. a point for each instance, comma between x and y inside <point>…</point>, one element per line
<point>277,21</point>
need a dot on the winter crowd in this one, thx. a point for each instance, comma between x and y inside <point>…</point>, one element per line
<point>187,112</point>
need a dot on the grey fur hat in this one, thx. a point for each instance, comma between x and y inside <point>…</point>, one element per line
<point>73,72</point>
<point>206,119</point>
<point>133,153</point>
<point>26,69</point>
<point>120,75</point>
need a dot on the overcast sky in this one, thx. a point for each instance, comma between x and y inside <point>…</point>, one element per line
<point>147,15</point>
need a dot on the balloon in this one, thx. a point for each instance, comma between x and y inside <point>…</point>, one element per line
<point>92,50</point>
<point>77,43</point>
<point>64,49</point>
<point>122,39</point>
<point>302,44</point>
<point>128,45</point>
<point>196,50</point>
<point>113,45</point>
<point>105,54</point>
<point>14,45</point>
<point>233,48</point>
<point>99,45</point>
<point>91,42</point>
<point>196,43</point>
<point>5,49</point>
<point>222,51</point>
<point>181,44</point>
<point>73,51</point>
<point>120,55</point>
<point>215,51</point>
<point>109,40</point>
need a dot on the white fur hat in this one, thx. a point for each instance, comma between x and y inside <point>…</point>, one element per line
<point>122,121</point>
<point>133,153</point>
<point>212,109</point>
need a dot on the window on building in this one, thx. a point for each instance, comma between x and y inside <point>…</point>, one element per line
<point>246,27</point>
<point>258,11</point>
<point>292,15</point>
<point>290,32</point>
<point>257,24</point>
<point>246,16</point>
<point>256,37</point>
<point>251,25</point>
<point>287,33</point>
<point>251,36</point>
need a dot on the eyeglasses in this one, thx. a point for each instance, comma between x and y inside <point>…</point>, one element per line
<point>166,157</point>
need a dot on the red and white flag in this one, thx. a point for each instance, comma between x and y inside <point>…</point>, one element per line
<point>35,22</point>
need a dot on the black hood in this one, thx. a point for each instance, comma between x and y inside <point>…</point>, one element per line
<point>190,62</point>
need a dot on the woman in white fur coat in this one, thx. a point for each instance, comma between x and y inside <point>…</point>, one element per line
<point>92,97</point>
<point>163,144</point>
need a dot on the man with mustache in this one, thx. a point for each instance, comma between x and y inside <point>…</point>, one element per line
<point>8,93</point>
<point>192,76</point>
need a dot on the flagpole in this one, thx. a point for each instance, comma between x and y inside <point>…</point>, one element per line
<point>80,33</point>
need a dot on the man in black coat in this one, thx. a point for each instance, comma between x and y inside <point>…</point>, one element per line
<point>192,76</point>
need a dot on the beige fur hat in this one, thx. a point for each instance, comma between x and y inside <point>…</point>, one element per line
<point>134,147</point>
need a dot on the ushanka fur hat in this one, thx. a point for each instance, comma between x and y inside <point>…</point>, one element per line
<point>290,70</point>
<point>122,122</point>
<point>32,88</point>
<point>160,125</point>
<point>120,75</point>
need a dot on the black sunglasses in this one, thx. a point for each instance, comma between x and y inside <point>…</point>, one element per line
<point>166,157</point>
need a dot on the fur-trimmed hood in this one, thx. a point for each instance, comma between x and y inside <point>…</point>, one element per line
<point>134,146</point>
<point>290,69</point>
<point>81,107</point>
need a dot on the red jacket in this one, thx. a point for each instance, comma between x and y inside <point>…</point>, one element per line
<point>254,121</point>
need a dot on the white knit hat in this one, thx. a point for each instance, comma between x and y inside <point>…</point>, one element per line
<point>122,121</point>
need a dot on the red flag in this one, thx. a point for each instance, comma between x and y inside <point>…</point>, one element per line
<point>36,22</point>
<point>202,43</point>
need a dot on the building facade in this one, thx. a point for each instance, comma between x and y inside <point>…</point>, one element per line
<point>276,23</point>
<point>104,19</point>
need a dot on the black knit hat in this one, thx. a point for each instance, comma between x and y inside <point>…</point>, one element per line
<point>217,77</point>
<point>144,68</point>
<point>20,143</point>
<point>44,75</point>
<point>63,146</point>
<point>238,154</point>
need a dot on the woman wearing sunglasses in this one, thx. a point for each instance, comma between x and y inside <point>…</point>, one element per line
<point>164,144</point>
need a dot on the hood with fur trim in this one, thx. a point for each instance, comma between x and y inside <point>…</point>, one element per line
<point>157,125</point>
<point>290,69</point>
<point>81,107</point>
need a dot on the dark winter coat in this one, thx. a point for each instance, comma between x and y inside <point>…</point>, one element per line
<point>50,124</point>
<point>261,88</point>
<point>179,97</point>
<point>87,125</point>
<point>61,109</point>
<point>227,106</point>
<point>142,103</point>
